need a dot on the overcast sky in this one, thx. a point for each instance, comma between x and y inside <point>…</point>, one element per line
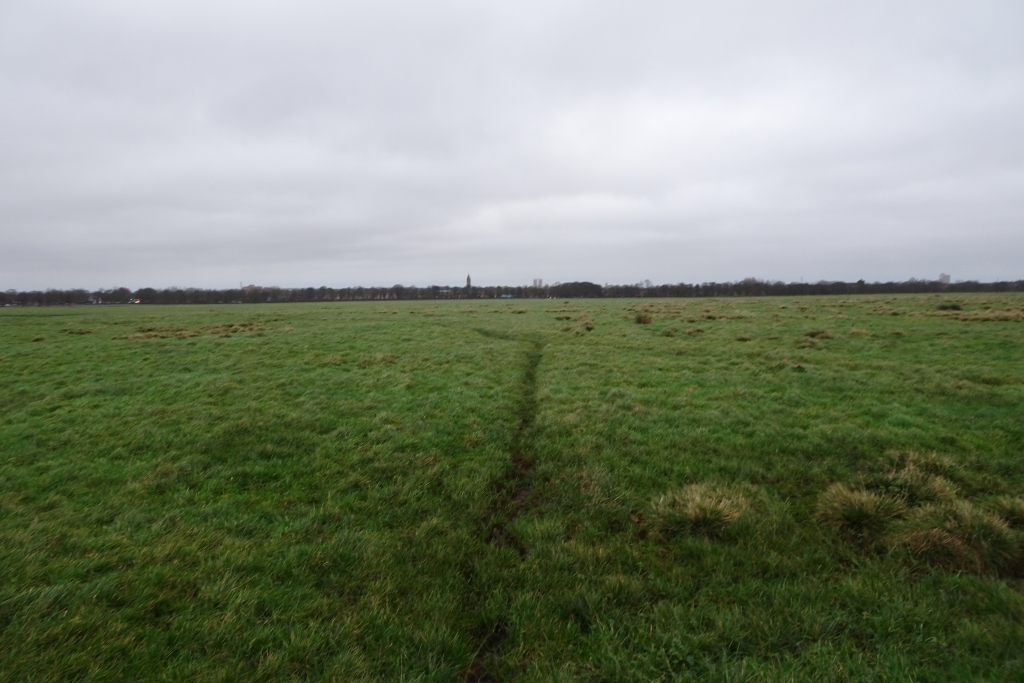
<point>300,143</point>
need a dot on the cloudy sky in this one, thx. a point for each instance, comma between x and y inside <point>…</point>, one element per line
<point>203,143</point>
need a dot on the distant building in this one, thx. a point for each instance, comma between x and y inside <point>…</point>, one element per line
<point>468,282</point>
<point>538,282</point>
<point>944,278</point>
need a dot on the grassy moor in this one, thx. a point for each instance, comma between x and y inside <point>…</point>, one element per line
<point>761,489</point>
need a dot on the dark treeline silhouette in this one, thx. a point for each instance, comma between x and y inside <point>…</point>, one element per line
<point>753,287</point>
<point>253,294</point>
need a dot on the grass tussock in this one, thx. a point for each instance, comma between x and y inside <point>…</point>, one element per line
<point>234,328</point>
<point>912,506</point>
<point>984,315</point>
<point>858,332</point>
<point>914,486</point>
<point>858,515</point>
<point>959,537</point>
<point>1010,509</point>
<point>186,332</point>
<point>643,318</point>
<point>378,359</point>
<point>994,316</point>
<point>697,510</point>
<point>927,462</point>
<point>161,333</point>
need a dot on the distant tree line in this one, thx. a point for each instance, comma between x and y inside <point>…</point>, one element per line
<point>567,290</point>
<point>754,287</point>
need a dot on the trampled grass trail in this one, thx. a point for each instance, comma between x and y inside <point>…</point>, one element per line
<point>511,497</point>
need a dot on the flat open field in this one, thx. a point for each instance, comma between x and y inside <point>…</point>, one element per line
<point>729,489</point>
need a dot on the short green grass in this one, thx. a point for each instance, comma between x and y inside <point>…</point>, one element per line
<point>820,489</point>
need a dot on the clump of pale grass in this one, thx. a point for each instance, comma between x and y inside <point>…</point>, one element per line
<point>378,359</point>
<point>915,507</point>
<point>1012,316</point>
<point>959,536</point>
<point>860,515</point>
<point>938,547</point>
<point>930,463</point>
<point>915,485</point>
<point>698,510</point>
<point>1010,509</point>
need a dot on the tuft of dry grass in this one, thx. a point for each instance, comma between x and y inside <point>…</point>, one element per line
<point>643,318</point>
<point>379,359</point>
<point>698,510</point>
<point>858,332</point>
<point>185,332</point>
<point>1010,509</point>
<point>940,548</point>
<point>915,507</point>
<point>861,515</point>
<point>960,537</point>
<point>929,463</point>
<point>992,316</point>
<point>819,334</point>
<point>915,485</point>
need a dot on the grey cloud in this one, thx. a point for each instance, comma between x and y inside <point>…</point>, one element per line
<point>311,143</point>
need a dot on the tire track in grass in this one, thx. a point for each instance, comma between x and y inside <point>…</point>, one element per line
<point>511,499</point>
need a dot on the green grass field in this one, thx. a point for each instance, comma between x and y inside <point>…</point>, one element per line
<point>814,489</point>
